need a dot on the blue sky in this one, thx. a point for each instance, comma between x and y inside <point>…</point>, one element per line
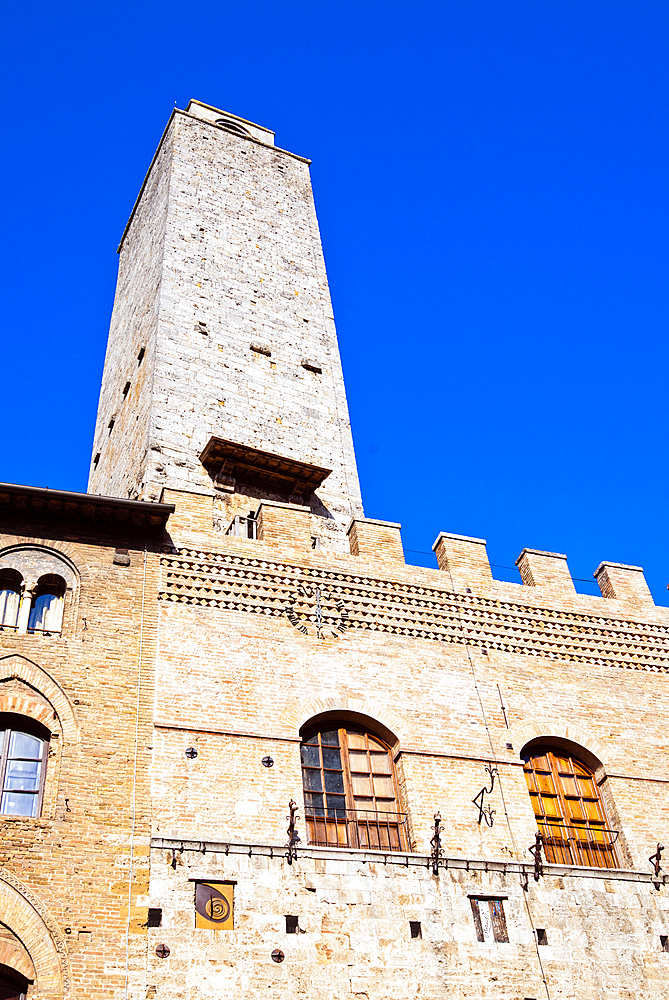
<point>491,184</point>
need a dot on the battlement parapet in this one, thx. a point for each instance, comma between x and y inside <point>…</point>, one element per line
<point>375,540</point>
<point>284,525</point>
<point>545,569</point>
<point>465,559</point>
<point>623,583</point>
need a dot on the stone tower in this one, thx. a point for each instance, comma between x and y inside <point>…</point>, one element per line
<point>222,375</point>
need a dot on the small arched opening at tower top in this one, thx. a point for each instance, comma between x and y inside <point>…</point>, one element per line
<point>351,789</point>
<point>230,125</point>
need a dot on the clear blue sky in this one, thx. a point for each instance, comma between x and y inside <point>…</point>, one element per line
<point>491,183</point>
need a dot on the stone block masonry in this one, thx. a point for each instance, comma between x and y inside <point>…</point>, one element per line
<point>475,771</point>
<point>235,319</point>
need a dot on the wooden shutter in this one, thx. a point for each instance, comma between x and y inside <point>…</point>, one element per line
<point>569,811</point>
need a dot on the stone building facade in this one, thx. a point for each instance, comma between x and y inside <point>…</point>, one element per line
<point>278,760</point>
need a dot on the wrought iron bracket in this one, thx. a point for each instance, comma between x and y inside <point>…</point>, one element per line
<point>535,851</point>
<point>436,855</point>
<point>293,836</point>
<point>655,860</point>
<point>486,812</point>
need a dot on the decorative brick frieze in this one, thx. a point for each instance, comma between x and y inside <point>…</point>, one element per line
<point>258,586</point>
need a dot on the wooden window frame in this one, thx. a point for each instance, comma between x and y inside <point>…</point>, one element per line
<point>583,840</point>
<point>11,723</point>
<point>498,925</point>
<point>352,829</point>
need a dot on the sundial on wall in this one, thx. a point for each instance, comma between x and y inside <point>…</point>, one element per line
<point>314,621</point>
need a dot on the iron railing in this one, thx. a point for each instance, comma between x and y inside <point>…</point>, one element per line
<point>569,844</point>
<point>357,828</point>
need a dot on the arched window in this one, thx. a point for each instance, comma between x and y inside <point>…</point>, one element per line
<point>46,612</point>
<point>10,597</point>
<point>24,745</point>
<point>569,812</point>
<point>13,985</point>
<point>350,790</point>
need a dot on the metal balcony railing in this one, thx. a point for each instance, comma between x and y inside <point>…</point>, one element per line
<point>571,844</point>
<point>357,828</point>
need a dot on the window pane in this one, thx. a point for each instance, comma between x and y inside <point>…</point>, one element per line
<point>312,780</point>
<point>22,745</point>
<point>18,804</point>
<point>330,739</point>
<point>356,741</point>
<point>332,758</point>
<point>384,787</point>
<point>336,805</point>
<point>311,756</point>
<point>380,763</point>
<point>362,785</point>
<point>9,606</point>
<point>314,803</point>
<point>358,760</point>
<point>545,783</point>
<point>23,774</point>
<point>568,786</point>
<point>334,781</point>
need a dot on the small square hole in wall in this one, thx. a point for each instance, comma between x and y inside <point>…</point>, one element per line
<point>140,356</point>
<point>664,942</point>
<point>126,389</point>
<point>96,460</point>
<point>415,928</point>
<point>542,937</point>
<point>155,918</point>
<point>292,925</point>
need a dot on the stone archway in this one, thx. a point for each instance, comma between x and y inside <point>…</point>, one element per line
<point>32,941</point>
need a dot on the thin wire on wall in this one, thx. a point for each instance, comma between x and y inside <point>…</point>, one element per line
<point>134,778</point>
<point>499,778</point>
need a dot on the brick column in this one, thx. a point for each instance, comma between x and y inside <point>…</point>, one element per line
<point>465,559</point>
<point>287,524</point>
<point>375,540</point>
<point>623,583</point>
<point>545,569</point>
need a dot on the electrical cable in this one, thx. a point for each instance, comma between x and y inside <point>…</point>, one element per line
<point>577,579</point>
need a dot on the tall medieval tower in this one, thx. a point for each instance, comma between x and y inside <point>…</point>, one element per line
<point>222,373</point>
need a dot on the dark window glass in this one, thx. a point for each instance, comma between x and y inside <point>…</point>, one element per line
<point>358,809</point>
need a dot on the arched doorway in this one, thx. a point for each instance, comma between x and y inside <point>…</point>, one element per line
<point>13,986</point>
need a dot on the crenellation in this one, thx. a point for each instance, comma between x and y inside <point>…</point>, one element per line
<point>623,583</point>
<point>464,559</point>
<point>545,569</point>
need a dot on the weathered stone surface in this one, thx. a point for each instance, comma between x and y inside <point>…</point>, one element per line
<point>155,777</point>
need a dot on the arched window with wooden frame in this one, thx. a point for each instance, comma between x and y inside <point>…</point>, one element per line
<point>350,789</point>
<point>568,808</point>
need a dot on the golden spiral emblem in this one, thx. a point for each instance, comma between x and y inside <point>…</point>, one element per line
<point>217,909</point>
